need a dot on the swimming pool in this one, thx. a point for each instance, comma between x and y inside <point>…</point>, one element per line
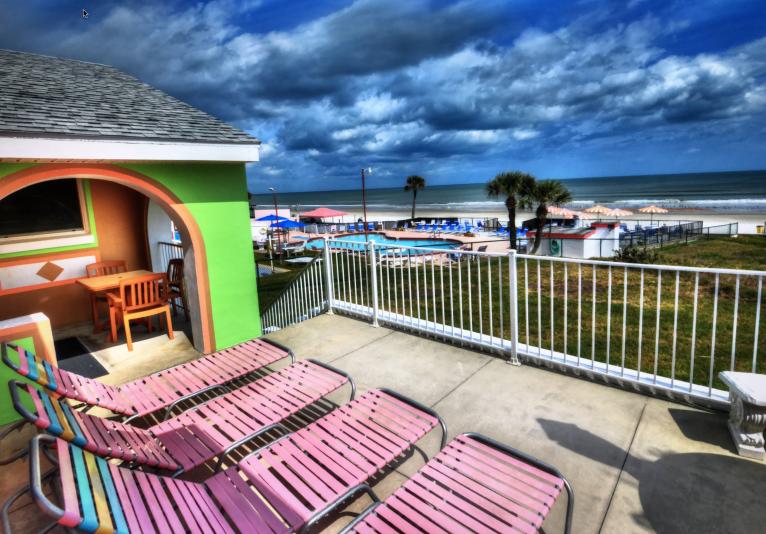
<point>358,242</point>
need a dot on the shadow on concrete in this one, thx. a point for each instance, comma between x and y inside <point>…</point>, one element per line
<point>679,492</point>
<point>705,427</point>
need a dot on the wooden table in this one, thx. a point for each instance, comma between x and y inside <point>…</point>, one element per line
<point>100,284</point>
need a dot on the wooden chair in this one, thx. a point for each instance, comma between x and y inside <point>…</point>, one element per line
<point>176,286</point>
<point>100,269</point>
<point>139,298</point>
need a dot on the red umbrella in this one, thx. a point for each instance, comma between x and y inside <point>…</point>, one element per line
<point>323,213</point>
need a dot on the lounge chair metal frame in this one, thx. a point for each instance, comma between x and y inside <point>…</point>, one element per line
<point>159,452</point>
<point>41,372</point>
<point>385,412</point>
<point>501,447</point>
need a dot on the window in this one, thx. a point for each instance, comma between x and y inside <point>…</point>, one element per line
<point>48,209</point>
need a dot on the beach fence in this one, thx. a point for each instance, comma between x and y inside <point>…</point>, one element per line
<point>664,329</point>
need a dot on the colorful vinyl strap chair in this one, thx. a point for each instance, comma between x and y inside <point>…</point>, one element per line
<point>278,488</point>
<point>158,391</point>
<point>475,484</point>
<point>212,429</point>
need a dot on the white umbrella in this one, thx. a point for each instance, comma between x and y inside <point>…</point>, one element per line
<point>597,210</point>
<point>617,212</point>
<point>651,210</point>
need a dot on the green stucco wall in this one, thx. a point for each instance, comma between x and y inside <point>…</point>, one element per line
<point>216,195</point>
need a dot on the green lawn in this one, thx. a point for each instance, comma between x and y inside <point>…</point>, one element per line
<point>625,330</point>
<point>555,311</point>
<point>271,286</point>
<point>743,252</point>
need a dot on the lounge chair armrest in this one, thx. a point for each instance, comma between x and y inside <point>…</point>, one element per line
<point>247,439</point>
<point>422,408</point>
<point>185,398</point>
<point>536,463</point>
<point>14,386</point>
<point>340,501</point>
<point>36,478</point>
<point>279,345</point>
<point>6,359</point>
<point>338,372</point>
<point>358,519</point>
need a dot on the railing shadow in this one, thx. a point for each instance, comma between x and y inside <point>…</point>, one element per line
<point>679,492</point>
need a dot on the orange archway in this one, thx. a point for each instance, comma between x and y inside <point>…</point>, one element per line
<point>152,189</point>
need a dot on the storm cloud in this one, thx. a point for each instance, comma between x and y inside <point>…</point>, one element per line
<point>452,91</point>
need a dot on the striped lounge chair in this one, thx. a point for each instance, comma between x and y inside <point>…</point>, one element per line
<point>212,429</point>
<point>158,391</point>
<point>278,488</point>
<point>474,484</point>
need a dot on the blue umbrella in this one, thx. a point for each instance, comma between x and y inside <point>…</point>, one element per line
<point>272,217</point>
<point>287,224</point>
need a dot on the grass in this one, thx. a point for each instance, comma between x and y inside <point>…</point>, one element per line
<point>554,312</point>
<point>271,286</point>
<point>742,252</point>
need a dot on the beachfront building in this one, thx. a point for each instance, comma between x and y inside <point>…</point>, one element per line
<point>598,240</point>
<point>98,166</point>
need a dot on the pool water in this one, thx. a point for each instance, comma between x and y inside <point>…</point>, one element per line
<point>358,242</point>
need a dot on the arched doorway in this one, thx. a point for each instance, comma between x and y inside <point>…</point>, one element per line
<point>198,288</point>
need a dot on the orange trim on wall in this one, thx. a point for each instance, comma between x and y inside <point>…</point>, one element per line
<point>34,287</point>
<point>52,256</point>
<point>151,188</point>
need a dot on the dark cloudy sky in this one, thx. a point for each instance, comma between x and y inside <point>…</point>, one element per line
<point>455,91</point>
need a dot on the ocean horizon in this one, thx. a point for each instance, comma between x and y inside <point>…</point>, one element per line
<point>733,192</point>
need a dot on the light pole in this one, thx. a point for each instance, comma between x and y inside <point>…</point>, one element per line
<point>276,220</point>
<point>364,200</point>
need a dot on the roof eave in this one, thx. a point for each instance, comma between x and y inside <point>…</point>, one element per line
<point>50,149</point>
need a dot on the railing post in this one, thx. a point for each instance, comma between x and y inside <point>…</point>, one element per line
<point>328,275</point>
<point>374,270</point>
<point>514,307</point>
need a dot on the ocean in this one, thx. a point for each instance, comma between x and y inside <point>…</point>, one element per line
<point>725,192</point>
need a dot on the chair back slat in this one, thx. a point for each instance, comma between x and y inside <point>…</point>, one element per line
<point>143,292</point>
<point>176,272</point>
<point>103,268</point>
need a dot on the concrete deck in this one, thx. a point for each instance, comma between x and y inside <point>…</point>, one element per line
<point>636,463</point>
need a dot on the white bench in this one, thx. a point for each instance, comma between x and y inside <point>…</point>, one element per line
<point>747,417</point>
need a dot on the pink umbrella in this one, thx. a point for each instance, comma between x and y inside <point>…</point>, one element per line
<point>323,213</point>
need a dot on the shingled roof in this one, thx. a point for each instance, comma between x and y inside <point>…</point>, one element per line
<point>42,96</point>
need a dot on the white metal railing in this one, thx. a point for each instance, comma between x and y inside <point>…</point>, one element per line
<point>664,328</point>
<point>305,297</point>
<point>169,251</point>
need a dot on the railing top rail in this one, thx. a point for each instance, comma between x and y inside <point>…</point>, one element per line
<point>170,243</point>
<point>682,268</point>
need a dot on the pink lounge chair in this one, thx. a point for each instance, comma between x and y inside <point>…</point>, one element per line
<point>474,484</point>
<point>161,390</point>
<point>213,429</point>
<point>277,488</point>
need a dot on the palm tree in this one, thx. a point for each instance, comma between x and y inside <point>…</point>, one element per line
<point>515,186</point>
<point>414,183</point>
<point>546,193</point>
